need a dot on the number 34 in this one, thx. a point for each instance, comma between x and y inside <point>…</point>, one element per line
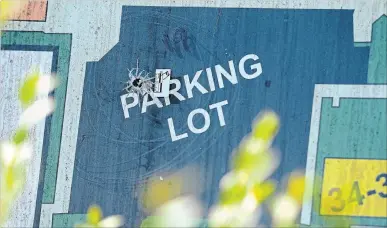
<point>355,195</point>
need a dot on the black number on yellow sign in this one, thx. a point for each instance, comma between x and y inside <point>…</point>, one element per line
<point>378,178</point>
<point>355,196</point>
<point>337,192</point>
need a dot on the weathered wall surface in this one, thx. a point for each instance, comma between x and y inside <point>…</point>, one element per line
<point>324,70</point>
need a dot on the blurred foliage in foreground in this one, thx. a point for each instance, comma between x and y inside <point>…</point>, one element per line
<point>95,219</point>
<point>243,190</point>
<point>15,154</point>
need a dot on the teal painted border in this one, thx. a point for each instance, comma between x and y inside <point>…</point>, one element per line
<point>377,67</point>
<point>67,220</point>
<point>62,42</point>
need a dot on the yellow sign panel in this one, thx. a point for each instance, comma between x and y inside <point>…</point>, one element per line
<point>354,187</point>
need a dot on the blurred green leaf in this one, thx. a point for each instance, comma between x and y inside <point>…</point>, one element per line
<point>12,181</point>
<point>20,136</point>
<point>27,91</point>
<point>296,186</point>
<point>233,188</point>
<point>151,221</point>
<point>94,215</point>
<point>158,192</point>
<point>266,127</point>
<point>247,159</point>
<point>252,163</point>
<point>94,218</point>
<point>262,191</point>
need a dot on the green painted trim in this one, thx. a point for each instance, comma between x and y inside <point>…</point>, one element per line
<point>63,43</point>
<point>67,220</point>
<point>377,65</point>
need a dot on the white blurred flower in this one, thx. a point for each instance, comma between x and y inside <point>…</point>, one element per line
<point>271,161</point>
<point>234,216</point>
<point>256,146</point>
<point>249,203</point>
<point>184,211</point>
<point>25,152</point>
<point>94,218</point>
<point>46,84</point>
<point>13,155</point>
<point>8,152</point>
<point>232,179</point>
<point>37,112</point>
<point>285,210</point>
<point>113,221</point>
<point>13,165</point>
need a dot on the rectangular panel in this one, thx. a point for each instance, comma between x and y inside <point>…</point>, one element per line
<point>354,187</point>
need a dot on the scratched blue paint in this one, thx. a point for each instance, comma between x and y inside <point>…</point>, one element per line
<point>297,49</point>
